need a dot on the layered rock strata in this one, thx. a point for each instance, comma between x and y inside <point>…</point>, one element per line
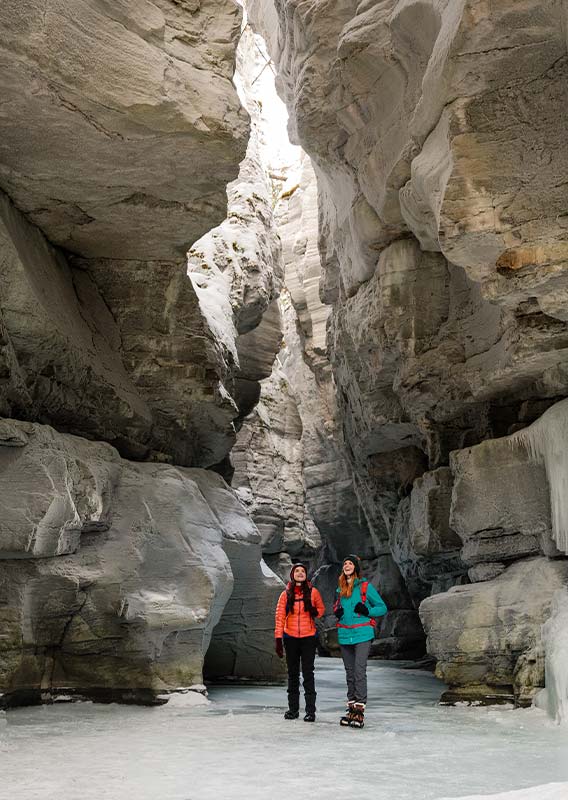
<point>323,496</point>
<point>382,95</point>
<point>121,128</point>
<point>120,131</point>
<point>487,637</point>
<point>113,574</point>
<point>441,166</point>
<point>268,477</point>
<point>236,268</point>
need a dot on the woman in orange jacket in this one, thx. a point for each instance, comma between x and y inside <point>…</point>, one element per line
<point>295,631</point>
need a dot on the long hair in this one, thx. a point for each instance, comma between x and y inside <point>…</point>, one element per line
<point>346,585</point>
<point>290,596</point>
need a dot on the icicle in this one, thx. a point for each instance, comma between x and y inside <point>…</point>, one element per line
<point>554,699</point>
<point>547,441</point>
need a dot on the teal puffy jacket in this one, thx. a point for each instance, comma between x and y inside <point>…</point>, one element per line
<point>353,628</point>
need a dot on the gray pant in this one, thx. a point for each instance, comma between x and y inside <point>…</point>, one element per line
<point>355,662</point>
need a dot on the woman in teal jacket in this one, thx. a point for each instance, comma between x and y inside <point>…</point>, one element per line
<point>356,608</point>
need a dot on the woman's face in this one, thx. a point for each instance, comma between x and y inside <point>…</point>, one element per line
<point>299,575</point>
<point>348,568</point>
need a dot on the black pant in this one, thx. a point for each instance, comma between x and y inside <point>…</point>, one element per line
<point>301,651</point>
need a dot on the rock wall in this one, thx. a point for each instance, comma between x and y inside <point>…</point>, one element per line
<point>268,461</point>
<point>120,131</point>
<point>114,574</point>
<point>441,168</point>
<point>236,268</point>
<point>121,562</point>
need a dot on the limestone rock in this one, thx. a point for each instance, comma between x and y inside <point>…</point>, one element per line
<point>441,162</point>
<point>242,644</point>
<point>485,634</point>
<point>245,248</point>
<point>120,131</point>
<point>485,572</point>
<point>399,103</point>
<point>500,502</point>
<point>400,636</point>
<point>297,218</point>
<point>113,575</point>
<point>430,531</point>
<point>121,127</point>
<point>51,344</point>
<point>268,461</point>
<point>424,546</point>
<point>445,274</point>
<point>331,493</point>
<point>54,488</point>
<point>236,268</point>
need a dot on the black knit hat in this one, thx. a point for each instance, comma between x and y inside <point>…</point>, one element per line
<point>298,564</point>
<point>354,560</point>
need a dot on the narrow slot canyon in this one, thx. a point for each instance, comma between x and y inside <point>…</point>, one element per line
<point>282,281</point>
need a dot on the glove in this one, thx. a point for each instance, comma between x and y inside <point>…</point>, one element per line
<point>339,611</point>
<point>279,647</point>
<point>313,612</point>
<point>361,608</point>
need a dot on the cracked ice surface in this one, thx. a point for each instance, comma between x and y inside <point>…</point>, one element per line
<point>238,746</point>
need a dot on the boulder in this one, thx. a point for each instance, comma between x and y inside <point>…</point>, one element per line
<point>500,502</point>
<point>114,574</point>
<point>486,636</point>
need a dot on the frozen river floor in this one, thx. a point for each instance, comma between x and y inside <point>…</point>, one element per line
<point>239,746</point>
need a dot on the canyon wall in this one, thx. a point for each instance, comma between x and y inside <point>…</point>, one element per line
<point>121,558</point>
<point>120,131</point>
<point>441,166</point>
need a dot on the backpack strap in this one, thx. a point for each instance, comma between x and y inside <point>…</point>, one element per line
<point>363,590</point>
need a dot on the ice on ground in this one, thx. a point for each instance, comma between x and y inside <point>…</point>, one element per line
<point>239,746</point>
<point>552,791</point>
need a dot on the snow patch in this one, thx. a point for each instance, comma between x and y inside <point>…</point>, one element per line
<point>190,697</point>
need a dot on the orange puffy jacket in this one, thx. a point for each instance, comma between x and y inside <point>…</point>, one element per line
<point>298,622</point>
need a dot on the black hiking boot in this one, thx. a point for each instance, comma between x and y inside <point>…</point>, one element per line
<point>291,714</point>
<point>310,716</point>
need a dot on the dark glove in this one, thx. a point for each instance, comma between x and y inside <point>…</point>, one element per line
<point>339,611</point>
<point>361,608</point>
<point>313,612</point>
<point>279,647</point>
